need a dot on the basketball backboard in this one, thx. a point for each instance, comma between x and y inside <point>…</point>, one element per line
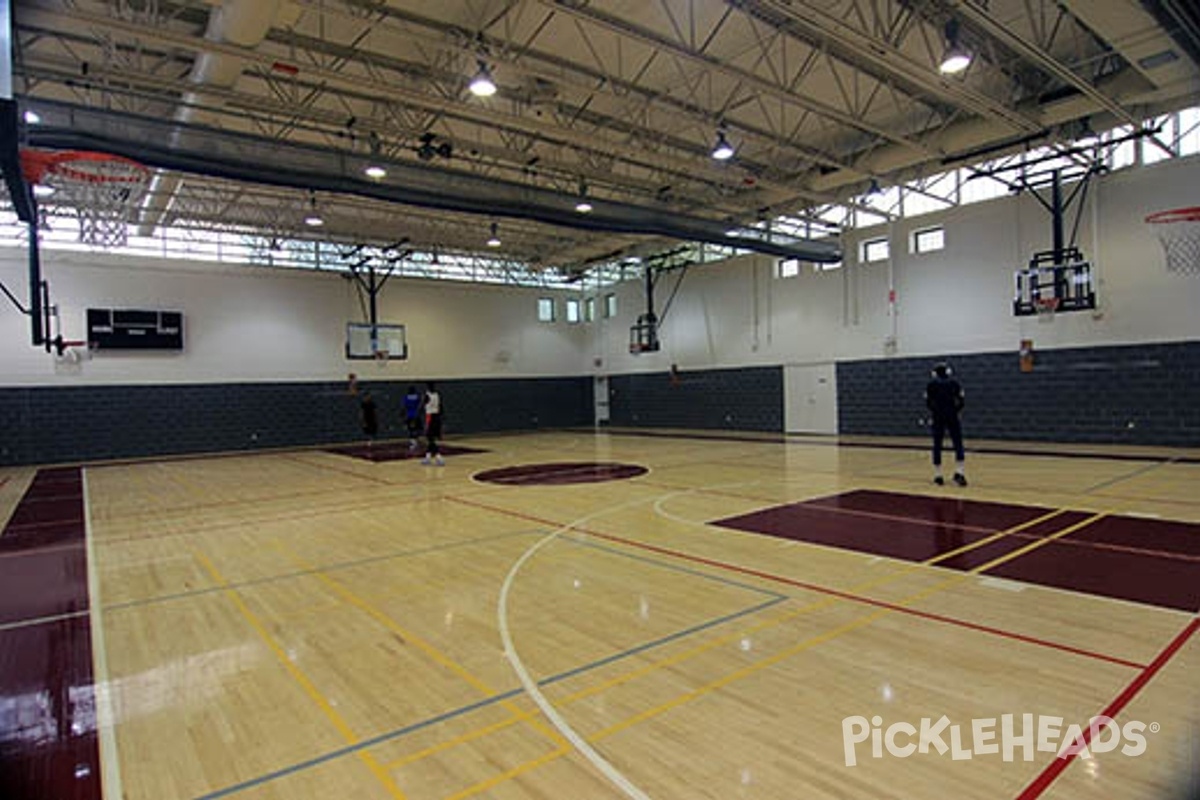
<point>367,341</point>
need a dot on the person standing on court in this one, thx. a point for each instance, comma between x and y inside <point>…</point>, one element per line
<point>944,399</point>
<point>433,424</point>
<point>370,417</point>
<point>412,416</point>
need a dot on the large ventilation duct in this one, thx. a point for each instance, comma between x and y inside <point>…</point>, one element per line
<point>239,22</point>
<point>168,144</point>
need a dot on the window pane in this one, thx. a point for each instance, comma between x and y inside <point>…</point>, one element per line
<point>789,267</point>
<point>589,309</point>
<point>610,305</point>
<point>545,309</point>
<point>874,250</point>
<point>928,240</point>
<point>572,311</point>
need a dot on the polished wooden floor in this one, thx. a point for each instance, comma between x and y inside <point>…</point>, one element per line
<point>314,625</point>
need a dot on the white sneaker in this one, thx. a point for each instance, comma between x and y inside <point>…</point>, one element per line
<point>425,460</point>
<point>441,462</point>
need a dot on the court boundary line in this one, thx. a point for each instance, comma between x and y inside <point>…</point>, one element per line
<point>106,718</point>
<point>834,592</point>
<point>1050,773</point>
<point>454,713</point>
<point>336,566</point>
<point>298,675</point>
<point>530,686</point>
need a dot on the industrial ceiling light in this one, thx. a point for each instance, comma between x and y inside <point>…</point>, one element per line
<point>495,240</point>
<point>313,220</point>
<point>32,117</point>
<point>482,84</point>
<point>583,206</point>
<point>722,150</point>
<point>374,168</point>
<point>42,190</point>
<point>956,58</point>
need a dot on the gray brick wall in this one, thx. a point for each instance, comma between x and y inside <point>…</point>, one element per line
<point>42,425</point>
<point>749,399</point>
<point>1130,394</point>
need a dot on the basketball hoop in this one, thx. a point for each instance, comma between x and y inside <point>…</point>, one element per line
<point>103,190</point>
<point>1046,308</point>
<point>1179,232</point>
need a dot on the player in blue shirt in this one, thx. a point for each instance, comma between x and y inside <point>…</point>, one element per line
<point>412,416</point>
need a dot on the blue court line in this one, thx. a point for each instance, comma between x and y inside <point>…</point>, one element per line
<point>484,703</point>
<point>675,567</point>
<point>326,568</point>
<point>1127,476</point>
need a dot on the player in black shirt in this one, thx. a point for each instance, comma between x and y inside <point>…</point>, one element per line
<point>944,399</point>
<point>370,417</point>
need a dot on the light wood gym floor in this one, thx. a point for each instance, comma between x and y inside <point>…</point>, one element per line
<point>313,625</point>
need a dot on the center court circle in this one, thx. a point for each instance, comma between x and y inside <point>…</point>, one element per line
<point>561,472</point>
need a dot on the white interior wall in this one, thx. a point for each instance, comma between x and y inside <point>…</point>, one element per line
<point>953,301</point>
<point>255,324</point>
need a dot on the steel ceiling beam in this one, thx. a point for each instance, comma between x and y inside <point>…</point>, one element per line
<point>209,151</point>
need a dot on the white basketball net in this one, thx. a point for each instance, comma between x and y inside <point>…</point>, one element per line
<point>104,194</point>
<point>1179,234</point>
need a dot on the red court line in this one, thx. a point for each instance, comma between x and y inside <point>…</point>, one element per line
<point>809,505</point>
<point>1056,767</point>
<point>1120,548</point>
<point>1020,637</point>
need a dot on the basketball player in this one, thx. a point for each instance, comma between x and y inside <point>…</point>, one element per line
<point>944,399</point>
<point>370,418</point>
<point>433,424</point>
<point>412,416</point>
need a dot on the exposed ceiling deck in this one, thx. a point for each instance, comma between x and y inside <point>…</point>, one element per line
<point>621,100</point>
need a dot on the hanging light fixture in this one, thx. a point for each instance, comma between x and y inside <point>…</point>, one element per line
<point>956,58</point>
<point>482,84</point>
<point>374,168</point>
<point>583,206</point>
<point>313,220</point>
<point>494,241</point>
<point>32,117</point>
<point>722,150</point>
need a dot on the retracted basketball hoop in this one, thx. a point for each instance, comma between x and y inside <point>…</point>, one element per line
<point>103,190</point>
<point>1179,232</point>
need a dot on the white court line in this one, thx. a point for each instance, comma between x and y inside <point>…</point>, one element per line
<point>514,658</point>
<point>110,764</point>
<point>530,685</point>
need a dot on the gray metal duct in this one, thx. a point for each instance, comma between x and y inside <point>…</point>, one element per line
<point>167,144</point>
<point>241,22</point>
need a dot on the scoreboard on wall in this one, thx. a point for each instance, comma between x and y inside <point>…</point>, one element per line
<point>130,329</point>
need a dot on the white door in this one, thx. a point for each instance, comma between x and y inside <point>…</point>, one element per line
<point>810,398</point>
<point>601,389</point>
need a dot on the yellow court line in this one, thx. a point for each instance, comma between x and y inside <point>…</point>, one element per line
<point>305,683</point>
<point>846,628</point>
<point>799,647</point>
<point>424,646</point>
<point>509,774</point>
<point>717,642</point>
